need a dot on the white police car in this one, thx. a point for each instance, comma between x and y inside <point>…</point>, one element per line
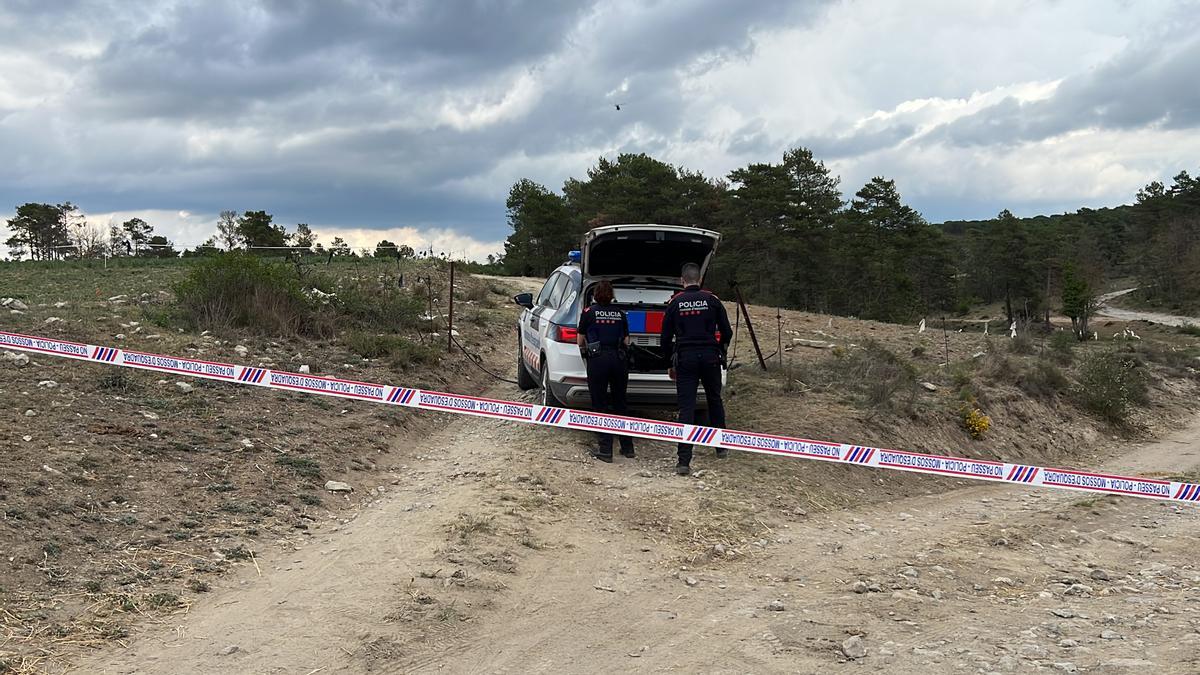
<point>643,263</point>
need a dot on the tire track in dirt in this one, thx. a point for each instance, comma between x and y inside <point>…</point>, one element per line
<point>958,539</point>
<point>586,592</point>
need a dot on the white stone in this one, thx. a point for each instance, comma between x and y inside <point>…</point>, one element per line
<point>184,387</point>
<point>338,486</point>
<point>305,369</point>
<point>47,384</point>
<point>853,647</point>
<point>18,360</point>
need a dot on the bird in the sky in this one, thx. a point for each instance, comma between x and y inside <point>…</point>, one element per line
<point>618,105</point>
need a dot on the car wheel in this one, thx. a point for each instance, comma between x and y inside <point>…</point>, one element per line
<point>548,397</point>
<point>524,380</point>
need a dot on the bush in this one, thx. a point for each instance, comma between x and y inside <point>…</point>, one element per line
<point>1190,329</point>
<point>401,351</point>
<point>1022,344</point>
<point>964,381</point>
<point>382,308</point>
<point>1179,362</point>
<point>1062,346</point>
<point>242,291</point>
<point>974,421</point>
<point>880,379</point>
<point>1111,383</point>
<point>1043,379</point>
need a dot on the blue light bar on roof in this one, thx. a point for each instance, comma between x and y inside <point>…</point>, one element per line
<point>575,256</point>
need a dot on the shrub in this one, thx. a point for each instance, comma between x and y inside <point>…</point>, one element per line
<point>1110,383</point>
<point>401,351</point>
<point>1043,379</point>
<point>964,381</point>
<point>242,291</point>
<point>1190,329</point>
<point>1179,362</point>
<point>879,378</point>
<point>381,308</point>
<point>1062,346</point>
<point>1022,344</point>
<point>1001,368</point>
<point>974,421</point>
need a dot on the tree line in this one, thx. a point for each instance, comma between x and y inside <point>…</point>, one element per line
<point>61,231</point>
<point>790,238</point>
<point>57,231</point>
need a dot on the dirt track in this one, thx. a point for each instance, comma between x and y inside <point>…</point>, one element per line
<point>1123,314</point>
<point>499,550</point>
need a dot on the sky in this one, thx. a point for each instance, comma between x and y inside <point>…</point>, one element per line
<point>411,120</point>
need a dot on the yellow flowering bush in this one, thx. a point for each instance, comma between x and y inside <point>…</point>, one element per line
<point>975,422</point>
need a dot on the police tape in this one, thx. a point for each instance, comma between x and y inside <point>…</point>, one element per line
<point>859,455</point>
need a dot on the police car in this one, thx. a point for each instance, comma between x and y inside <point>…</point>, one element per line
<point>643,263</point>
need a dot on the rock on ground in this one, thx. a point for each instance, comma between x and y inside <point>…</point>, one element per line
<point>338,486</point>
<point>854,648</point>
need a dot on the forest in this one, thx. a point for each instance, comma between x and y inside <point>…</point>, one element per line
<point>791,237</point>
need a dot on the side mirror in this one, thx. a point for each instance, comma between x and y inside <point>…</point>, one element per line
<point>524,299</point>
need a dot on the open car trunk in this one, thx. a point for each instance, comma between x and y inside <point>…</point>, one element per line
<point>646,251</point>
<point>643,262</point>
<point>645,305</point>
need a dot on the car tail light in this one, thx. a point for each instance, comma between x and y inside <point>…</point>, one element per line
<point>565,334</point>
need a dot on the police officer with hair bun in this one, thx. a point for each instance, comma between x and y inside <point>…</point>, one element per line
<point>603,342</point>
<point>695,335</point>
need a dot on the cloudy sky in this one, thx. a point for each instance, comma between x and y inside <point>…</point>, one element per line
<point>410,120</point>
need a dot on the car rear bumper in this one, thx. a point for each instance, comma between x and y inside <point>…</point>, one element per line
<point>643,394</point>
<point>568,382</point>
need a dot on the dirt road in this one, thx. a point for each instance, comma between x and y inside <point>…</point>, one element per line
<point>499,549</point>
<point>1123,314</point>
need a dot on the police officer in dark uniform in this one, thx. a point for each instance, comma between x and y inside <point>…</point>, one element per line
<point>604,343</point>
<point>695,334</point>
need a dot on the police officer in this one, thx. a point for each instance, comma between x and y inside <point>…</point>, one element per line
<point>695,334</point>
<point>604,341</point>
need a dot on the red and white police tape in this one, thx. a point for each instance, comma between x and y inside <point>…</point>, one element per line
<point>958,467</point>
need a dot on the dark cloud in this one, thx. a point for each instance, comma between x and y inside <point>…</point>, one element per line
<point>1146,86</point>
<point>860,143</point>
<point>374,113</point>
<point>335,110</point>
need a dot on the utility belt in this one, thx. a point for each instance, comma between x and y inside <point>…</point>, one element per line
<point>718,349</point>
<point>594,349</point>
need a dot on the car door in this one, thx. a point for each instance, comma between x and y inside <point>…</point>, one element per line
<point>533,326</point>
